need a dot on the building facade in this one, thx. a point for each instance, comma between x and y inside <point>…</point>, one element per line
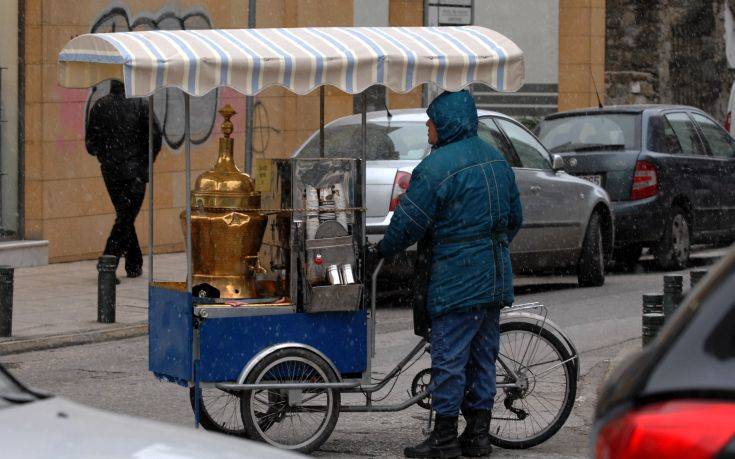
<point>52,189</point>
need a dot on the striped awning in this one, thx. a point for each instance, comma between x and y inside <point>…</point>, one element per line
<point>300,59</point>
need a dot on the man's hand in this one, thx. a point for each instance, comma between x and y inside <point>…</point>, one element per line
<point>373,251</point>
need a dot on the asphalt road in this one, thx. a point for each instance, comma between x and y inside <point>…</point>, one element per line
<point>603,322</point>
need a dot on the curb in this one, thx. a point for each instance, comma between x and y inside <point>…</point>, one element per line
<point>630,348</point>
<point>16,346</point>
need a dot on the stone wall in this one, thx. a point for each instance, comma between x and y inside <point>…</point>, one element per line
<point>671,51</point>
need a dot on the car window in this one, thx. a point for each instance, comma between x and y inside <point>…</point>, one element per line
<point>529,150</point>
<point>591,132</point>
<point>720,143</point>
<point>488,131</point>
<point>685,133</point>
<point>661,137</point>
<point>385,141</point>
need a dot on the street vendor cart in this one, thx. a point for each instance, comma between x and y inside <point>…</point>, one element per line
<point>266,352</point>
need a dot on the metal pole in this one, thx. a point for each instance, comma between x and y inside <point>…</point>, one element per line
<point>2,155</point>
<point>6,301</point>
<point>321,121</point>
<point>361,234</point>
<point>150,188</point>
<point>425,89</point>
<point>187,155</point>
<point>363,173</point>
<point>106,294</point>
<point>249,104</point>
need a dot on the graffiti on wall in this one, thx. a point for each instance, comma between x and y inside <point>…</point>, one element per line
<point>169,103</point>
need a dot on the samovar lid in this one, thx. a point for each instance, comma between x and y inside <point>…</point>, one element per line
<point>225,185</point>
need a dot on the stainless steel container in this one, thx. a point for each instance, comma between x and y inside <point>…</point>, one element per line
<point>346,272</point>
<point>333,275</point>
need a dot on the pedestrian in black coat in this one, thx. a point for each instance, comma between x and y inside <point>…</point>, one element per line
<point>117,134</point>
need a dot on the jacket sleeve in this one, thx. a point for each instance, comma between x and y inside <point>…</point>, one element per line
<point>413,217</point>
<point>515,216</point>
<point>94,133</point>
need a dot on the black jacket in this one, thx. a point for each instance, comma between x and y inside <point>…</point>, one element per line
<point>117,134</point>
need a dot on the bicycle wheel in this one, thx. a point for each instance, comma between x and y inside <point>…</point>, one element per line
<point>220,411</point>
<point>297,420</point>
<point>531,413</point>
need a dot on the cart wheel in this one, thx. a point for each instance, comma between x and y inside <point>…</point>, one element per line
<point>220,411</point>
<point>297,420</point>
<point>419,384</point>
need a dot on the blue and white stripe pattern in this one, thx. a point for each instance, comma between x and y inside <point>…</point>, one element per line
<point>299,59</point>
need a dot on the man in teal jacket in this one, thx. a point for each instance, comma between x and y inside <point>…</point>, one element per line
<point>463,196</point>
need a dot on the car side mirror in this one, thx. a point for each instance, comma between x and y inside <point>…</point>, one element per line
<point>557,163</point>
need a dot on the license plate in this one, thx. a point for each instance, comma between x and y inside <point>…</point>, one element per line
<point>596,179</point>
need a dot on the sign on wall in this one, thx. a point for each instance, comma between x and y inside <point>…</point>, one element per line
<point>451,12</point>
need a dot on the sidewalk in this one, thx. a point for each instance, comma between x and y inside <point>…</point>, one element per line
<point>56,305</point>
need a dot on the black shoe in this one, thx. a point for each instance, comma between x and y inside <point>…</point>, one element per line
<point>117,280</point>
<point>475,440</point>
<point>442,443</point>
<point>134,272</point>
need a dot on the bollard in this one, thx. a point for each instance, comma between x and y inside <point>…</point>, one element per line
<point>696,275</point>
<point>653,302</point>
<point>106,281</point>
<point>6,301</point>
<point>652,323</point>
<point>673,293</point>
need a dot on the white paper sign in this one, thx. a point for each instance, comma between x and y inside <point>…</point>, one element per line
<point>455,15</point>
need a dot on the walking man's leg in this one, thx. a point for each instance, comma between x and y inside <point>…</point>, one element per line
<point>135,194</point>
<point>480,386</point>
<point>116,243</point>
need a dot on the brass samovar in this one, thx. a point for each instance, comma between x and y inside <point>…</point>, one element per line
<point>226,232</point>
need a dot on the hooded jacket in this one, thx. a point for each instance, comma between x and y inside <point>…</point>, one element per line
<point>464,197</point>
<point>117,134</point>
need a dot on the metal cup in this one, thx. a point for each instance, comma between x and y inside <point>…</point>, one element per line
<point>346,271</point>
<point>333,275</point>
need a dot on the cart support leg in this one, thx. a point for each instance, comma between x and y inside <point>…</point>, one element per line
<point>197,395</point>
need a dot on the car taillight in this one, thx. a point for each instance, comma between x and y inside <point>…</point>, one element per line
<point>676,429</point>
<point>400,185</point>
<point>728,121</point>
<point>645,181</point>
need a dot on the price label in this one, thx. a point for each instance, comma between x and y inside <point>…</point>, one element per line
<point>263,174</point>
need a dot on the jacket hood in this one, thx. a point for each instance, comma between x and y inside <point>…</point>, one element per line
<point>455,116</point>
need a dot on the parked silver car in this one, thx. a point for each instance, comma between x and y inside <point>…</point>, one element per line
<point>567,220</point>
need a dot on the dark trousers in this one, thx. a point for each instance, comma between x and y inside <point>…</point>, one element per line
<point>464,346</point>
<point>127,197</point>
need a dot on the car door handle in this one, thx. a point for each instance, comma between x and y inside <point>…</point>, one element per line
<point>535,189</point>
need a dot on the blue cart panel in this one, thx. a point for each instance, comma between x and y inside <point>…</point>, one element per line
<point>170,332</point>
<point>228,343</point>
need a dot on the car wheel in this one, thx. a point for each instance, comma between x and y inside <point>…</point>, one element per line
<point>627,257</point>
<point>591,266</point>
<point>672,252</point>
